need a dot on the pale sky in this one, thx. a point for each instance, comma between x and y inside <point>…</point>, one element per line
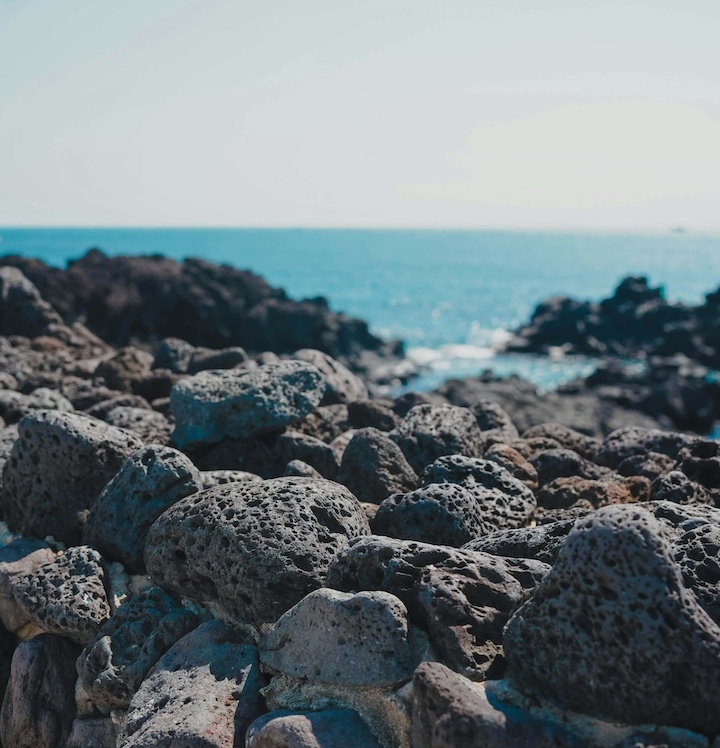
<point>459,113</point>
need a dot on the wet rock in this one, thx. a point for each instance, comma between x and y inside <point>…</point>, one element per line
<point>373,466</point>
<point>57,468</point>
<point>443,513</point>
<point>202,693</point>
<point>357,640</point>
<point>651,465</point>
<point>614,615</point>
<point>517,465</point>
<point>128,366</point>
<point>342,386</point>
<point>586,446</point>
<point>149,481</point>
<point>112,667</point>
<point>150,426</point>
<point>18,559</point>
<point>39,705</point>
<point>506,502</point>
<point>295,446</point>
<point>431,431</point>
<point>66,596</point>
<point>329,728</point>
<point>627,442</point>
<point>210,478</point>
<point>372,414</point>
<point>253,549</point>
<point>563,493</point>
<point>677,487</point>
<point>564,463</point>
<point>213,405</point>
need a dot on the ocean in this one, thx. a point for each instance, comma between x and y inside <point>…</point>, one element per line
<point>451,295</point>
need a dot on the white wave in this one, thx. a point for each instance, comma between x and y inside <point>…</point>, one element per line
<point>446,355</point>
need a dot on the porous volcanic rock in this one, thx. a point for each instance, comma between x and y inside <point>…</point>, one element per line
<point>514,462</point>
<point>564,463</point>
<point>296,446</point>
<point>256,548</point>
<point>614,615</point>
<point>57,468</point>
<point>586,446</point>
<point>128,366</point>
<point>565,492</point>
<point>149,425</point>
<point>213,405</point>
<point>627,442</point>
<point>341,385</point>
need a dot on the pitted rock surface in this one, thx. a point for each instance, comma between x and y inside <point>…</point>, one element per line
<point>127,366</point>
<point>357,640</point>
<point>342,386</point>
<point>614,616</point>
<point>39,706</point>
<point>564,463</point>
<point>651,465</point>
<point>329,728</point>
<point>542,542</point>
<point>562,493</point>
<point>112,667</point>
<point>57,468</point>
<point>517,465</point>
<point>103,406</point>
<point>296,446</point>
<point>20,558</point>
<point>507,502</point>
<point>700,461</point>
<point>431,431</point>
<point>256,548</point>
<point>15,405</point>
<point>213,405</point>
<point>173,354</point>
<point>632,440</point>
<point>373,466</point>
<point>212,478</point>
<point>202,693</point>
<point>567,438</point>
<point>149,481</point>
<point>443,513</point>
<point>94,732</point>
<point>300,469</point>
<point>325,423</point>
<point>66,596</point>
<point>677,487</point>
<point>149,425</point>
<point>494,422</point>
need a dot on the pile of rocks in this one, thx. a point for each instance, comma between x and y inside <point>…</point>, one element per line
<point>210,548</point>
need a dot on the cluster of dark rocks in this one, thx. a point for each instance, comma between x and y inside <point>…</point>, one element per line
<point>214,548</point>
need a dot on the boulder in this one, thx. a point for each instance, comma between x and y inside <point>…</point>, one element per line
<point>341,385</point>
<point>149,425</point>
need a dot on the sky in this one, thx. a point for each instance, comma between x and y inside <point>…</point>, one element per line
<point>522,114</point>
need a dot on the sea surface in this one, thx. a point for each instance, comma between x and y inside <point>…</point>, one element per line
<point>452,296</point>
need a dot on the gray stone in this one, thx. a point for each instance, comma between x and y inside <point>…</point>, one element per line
<point>173,354</point>
<point>115,663</point>
<point>15,405</point>
<point>372,414</point>
<point>515,463</point>
<point>563,493</point>
<point>330,728</point>
<point>677,487</point>
<point>149,481</point>
<point>494,422</point>
<point>66,596</point>
<point>296,446</point>
<point>203,693</point>
<point>700,461</point>
<point>149,425</point>
<point>506,501</point>
<point>567,438</point>
<point>102,407</point>
<point>431,431</point>
<point>23,311</point>
<point>213,405</point>
<point>615,616</point>
<point>301,469</point>
<point>253,549</point>
<point>373,466</point>
<point>339,638</point>
<point>632,440</point>
<point>342,386</point>
<point>564,463</point>
<point>18,559</point>
<point>96,732</point>
<point>651,465</point>
<point>212,478</point>
<point>39,705</point>
<point>325,423</point>
<point>128,366</point>
<point>203,359</point>
<point>57,468</point>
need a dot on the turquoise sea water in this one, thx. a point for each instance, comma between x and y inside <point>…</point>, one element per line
<point>451,295</point>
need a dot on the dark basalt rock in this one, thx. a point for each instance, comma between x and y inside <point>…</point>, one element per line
<point>431,431</point>
<point>677,487</point>
<point>563,493</point>
<point>15,405</point>
<point>628,442</point>
<point>564,463</point>
<point>341,385</point>
<point>496,425</point>
<point>57,468</point>
<point>614,615</point>
<point>585,446</point>
<point>246,455</point>
<point>204,359</point>
<point>373,466</point>
<point>148,425</point>
<point>514,462</point>
<point>700,461</point>
<point>253,549</point>
<point>293,445</point>
<point>212,478</point>
<point>372,414</point>
<point>149,481</point>
<point>128,366</point>
<point>300,469</point>
<point>651,465</point>
<point>325,423</point>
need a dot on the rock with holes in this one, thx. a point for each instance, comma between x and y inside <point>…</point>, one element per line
<point>339,638</point>
<point>15,405</point>
<point>112,666</point>
<point>567,438</point>
<point>20,558</point>
<point>517,465</point>
<point>443,513</point>
<point>235,403</point>
<point>128,366</point>
<point>95,732</point>
<point>506,501</point>
<point>295,446</point>
<point>208,358</point>
<point>174,355</point>
<point>431,431</point>
<point>66,596</point>
<point>700,461</point>
<point>651,465</point>
<point>212,478</point>
<point>373,466</point>
<point>633,440</point>
<point>677,487</point>
<point>342,386</point>
<point>149,425</point>
<point>39,705</point>
<point>615,616</point>
<point>23,311</point>
<point>203,693</point>
<point>57,468</point>
<point>325,423</point>
<point>562,493</point>
<point>564,463</point>
<point>149,481</point>
<point>496,425</point>
<point>254,549</point>
<point>330,728</point>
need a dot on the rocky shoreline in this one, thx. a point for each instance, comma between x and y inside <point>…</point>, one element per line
<point>212,544</point>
